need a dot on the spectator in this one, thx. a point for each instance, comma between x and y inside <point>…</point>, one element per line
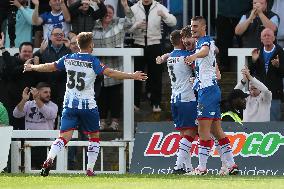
<point>58,17</point>
<point>49,52</point>
<point>39,114</point>
<point>38,30</point>
<point>252,23</point>
<point>23,24</point>
<point>118,8</point>
<point>278,7</point>
<point>119,12</point>
<point>148,15</point>
<point>258,103</point>
<point>233,107</point>
<point>73,45</point>
<point>15,79</point>
<point>229,14</point>
<point>4,118</point>
<point>8,11</point>
<point>83,15</point>
<point>268,66</point>
<point>109,32</point>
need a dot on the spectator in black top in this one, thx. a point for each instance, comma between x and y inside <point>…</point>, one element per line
<point>57,47</point>
<point>15,79</point>
<point>83,16</point>
<point>229,14</point>
<point>268,66</point>
<point>232,107</point>
<point>8,11</point>
<point>251,24</point>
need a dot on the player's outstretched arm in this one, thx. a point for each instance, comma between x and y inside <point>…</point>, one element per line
<point>138,75</point>
<point>47,67</point>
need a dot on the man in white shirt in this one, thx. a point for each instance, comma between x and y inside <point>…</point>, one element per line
<point>40,113</point>
<point>258,103</point>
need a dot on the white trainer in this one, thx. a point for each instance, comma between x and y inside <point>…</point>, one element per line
<point>223,171</point>
<point>198,171</point>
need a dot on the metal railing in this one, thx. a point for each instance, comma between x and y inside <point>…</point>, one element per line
<point>62,158</point>
<point>194,3</point>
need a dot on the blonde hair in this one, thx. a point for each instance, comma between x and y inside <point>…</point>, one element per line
<point>84,39</point>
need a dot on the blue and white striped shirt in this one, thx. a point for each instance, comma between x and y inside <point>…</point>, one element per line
<point>82,69</point>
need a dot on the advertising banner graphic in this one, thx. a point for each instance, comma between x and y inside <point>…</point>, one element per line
<point>257,148</point>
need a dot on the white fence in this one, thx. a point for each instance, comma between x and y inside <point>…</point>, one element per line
<point>241,54</point>
<point>62,158</point>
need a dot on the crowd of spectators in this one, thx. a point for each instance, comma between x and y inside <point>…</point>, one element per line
<point>52,26</point>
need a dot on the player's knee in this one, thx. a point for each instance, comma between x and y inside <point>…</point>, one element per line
<point>67,135</point>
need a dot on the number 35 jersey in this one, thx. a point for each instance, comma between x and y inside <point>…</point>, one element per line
<point>180,74</point>
<point>81,69</point>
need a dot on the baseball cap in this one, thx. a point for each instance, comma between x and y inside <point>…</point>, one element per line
<point>237,93</point>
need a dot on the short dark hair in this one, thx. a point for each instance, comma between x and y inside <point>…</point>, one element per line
<point>175,37</point>
<point>200,19</point>
<point>41,85</point>
<point>237,93</point>
<point>25,44</point>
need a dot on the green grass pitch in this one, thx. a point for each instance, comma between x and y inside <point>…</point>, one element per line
<point>127,181</point>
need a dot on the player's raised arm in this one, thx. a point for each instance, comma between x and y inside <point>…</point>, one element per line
<point>47,67</point>
<point>138,75</point>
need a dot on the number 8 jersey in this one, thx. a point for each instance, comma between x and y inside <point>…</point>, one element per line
<point>82,70</point>
<point>180,74</point>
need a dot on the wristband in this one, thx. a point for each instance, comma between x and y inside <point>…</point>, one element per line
<point>1,48</point>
